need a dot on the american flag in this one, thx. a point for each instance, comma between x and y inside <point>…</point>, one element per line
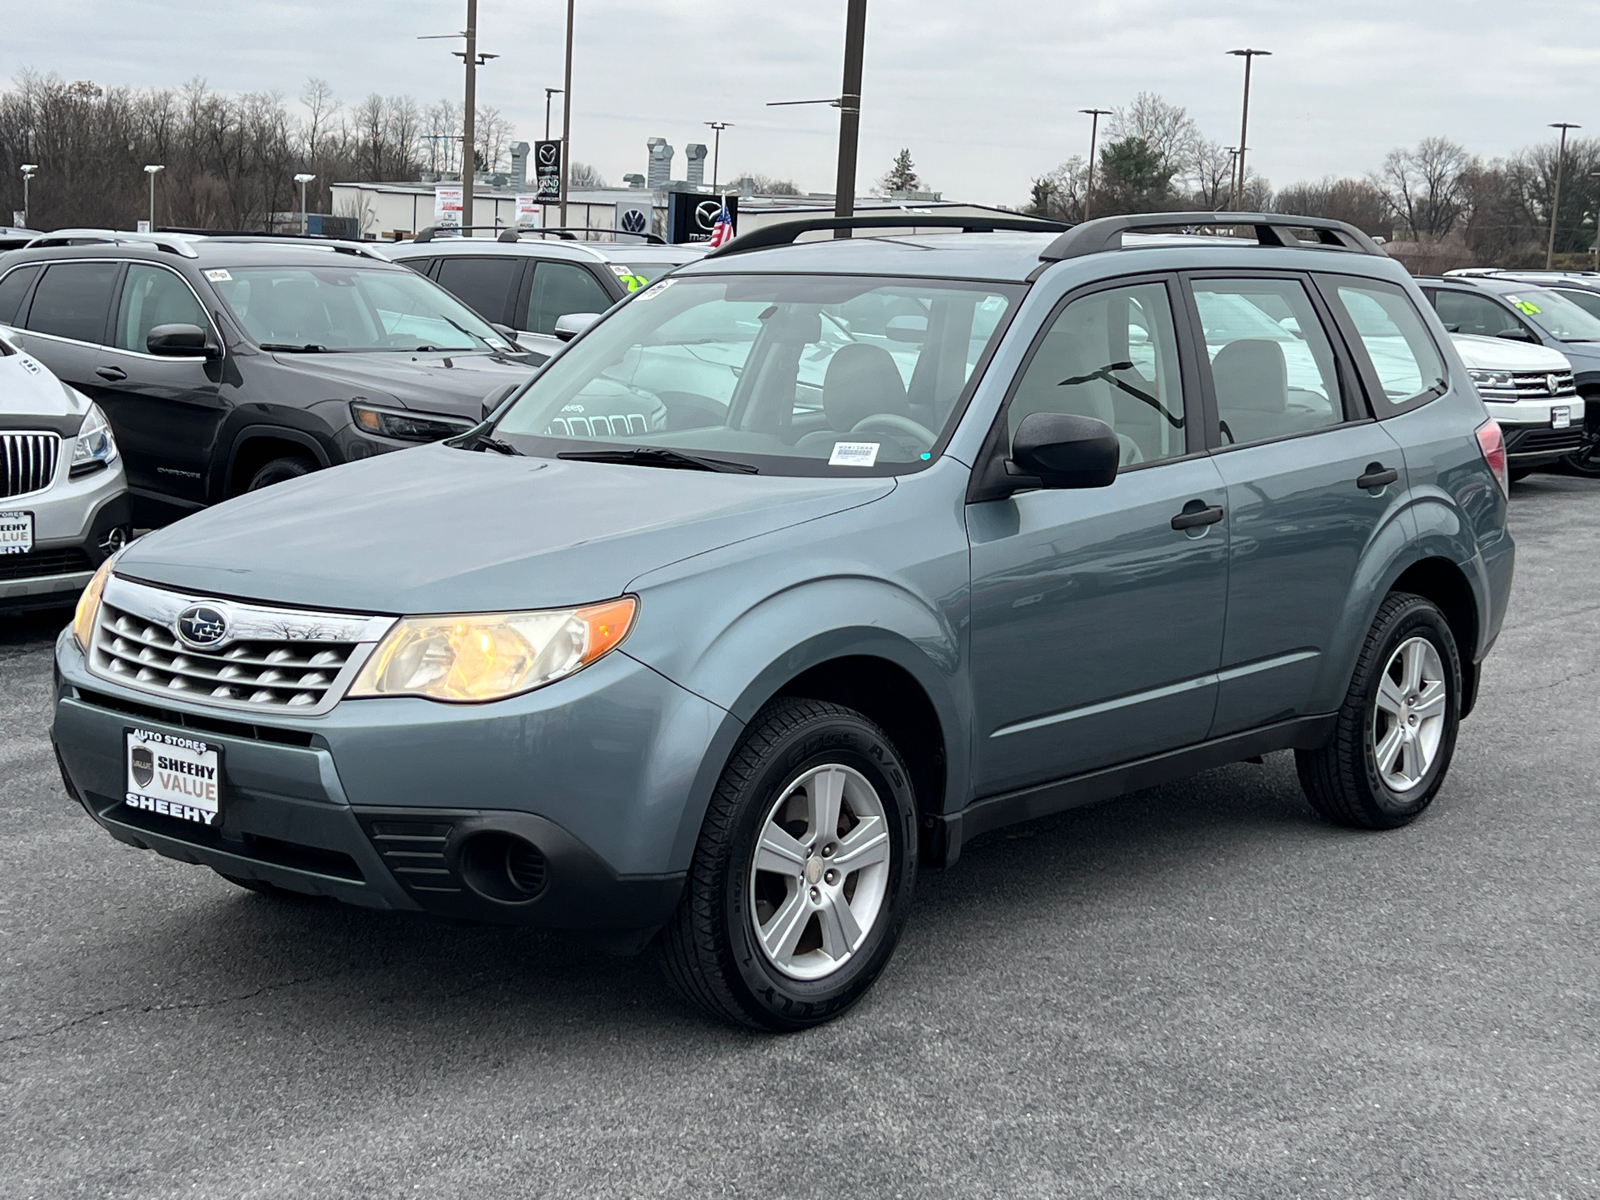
<point>722,231</point>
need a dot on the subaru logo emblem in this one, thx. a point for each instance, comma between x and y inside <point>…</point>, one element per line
<point>1553,383</point>
<point>706,214</point>
<point>202,626</point>
<point>633,221</point>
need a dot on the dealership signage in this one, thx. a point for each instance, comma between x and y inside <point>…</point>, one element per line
<point>692,216</point>
<point>547,170</point>
<point>635,218</point>
<point>447,202</point>
<point>530,211</point>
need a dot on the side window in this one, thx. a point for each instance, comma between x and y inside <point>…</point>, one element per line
<point>422,266</point>
<point>73,300</point>
<point>1464,312</point>
<point>1582,297</point>
<point>559,289</point>
<point>12,289</point>
<point>1113,356</point>
<point>482,284</point>
<point>1272,366</point>
<point>153,296</point>
<point>1404,358</point>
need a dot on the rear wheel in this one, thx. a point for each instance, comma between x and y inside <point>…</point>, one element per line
<point>803,875</point>
<point>281,470</point>
<point>1396,732</point>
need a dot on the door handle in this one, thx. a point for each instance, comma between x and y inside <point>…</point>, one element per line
<point>1377,476</point>
<point>113,374</point>
<point>1193,517</point>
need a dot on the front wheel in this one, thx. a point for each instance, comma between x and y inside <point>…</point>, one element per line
<point>1396,732</point>
<point>1585,462</point>
<point>803,874</point>
<point>281,470</point>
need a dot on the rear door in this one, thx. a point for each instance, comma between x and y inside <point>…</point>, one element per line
<point>1312,480</point>
<point>555,290</point>
<point>67,316</point>
<point>487,284</point>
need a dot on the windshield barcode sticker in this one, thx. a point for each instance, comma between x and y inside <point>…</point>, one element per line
<point>219,276</point>
<point>854,454</point>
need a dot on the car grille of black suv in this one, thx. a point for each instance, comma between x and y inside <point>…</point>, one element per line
<point>27,462</point>
<point>268,659</point>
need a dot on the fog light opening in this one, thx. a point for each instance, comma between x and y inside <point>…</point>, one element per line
<point>503,867</point>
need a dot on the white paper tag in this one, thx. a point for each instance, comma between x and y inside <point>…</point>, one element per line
<point>219,276</point>
<point>854,454</point>
<point>651,293</point>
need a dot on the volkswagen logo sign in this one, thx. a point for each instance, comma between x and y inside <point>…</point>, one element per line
<point>633,221</point>
<point>202,626</point>
<point>706,215</point>
<point>1553,382</point>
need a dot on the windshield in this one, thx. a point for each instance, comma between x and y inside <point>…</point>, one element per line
<point>788,374</point>
<point>1556,315</point>
<point>349,308</point>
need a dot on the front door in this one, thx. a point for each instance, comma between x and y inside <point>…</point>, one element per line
<point>1096,625</point>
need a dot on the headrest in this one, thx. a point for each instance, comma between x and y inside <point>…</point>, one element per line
<point>1251,375</point>
<point>862,380</point>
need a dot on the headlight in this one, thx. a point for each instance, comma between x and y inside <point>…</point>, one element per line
<point>406,426</point>
<point>488,656</point>
<point>89,605</point>
<point>1497,379</point>
<point>95,448</point>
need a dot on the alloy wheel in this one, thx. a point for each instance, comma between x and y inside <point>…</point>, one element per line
<point>1408,720</point>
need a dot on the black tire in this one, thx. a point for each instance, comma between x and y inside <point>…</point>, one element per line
<point>1586,462</point>
<point>710,948</point>
<point>281,470</point>
<point>1342,779</point>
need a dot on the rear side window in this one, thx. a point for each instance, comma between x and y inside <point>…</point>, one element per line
<point>12,289</point>
<point>1272,365</point>
<point>153,296</point>
<point>558,290</point>
<point>73,300</point>
<point>1404,359</point>
<point>482,284</point>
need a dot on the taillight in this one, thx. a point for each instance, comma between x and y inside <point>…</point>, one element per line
<point>1493,444</point>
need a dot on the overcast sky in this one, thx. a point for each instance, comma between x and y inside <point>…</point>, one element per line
<point>985,93</point>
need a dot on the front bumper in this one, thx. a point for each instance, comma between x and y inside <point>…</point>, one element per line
<point>73,524</point>
<point>412,806</point>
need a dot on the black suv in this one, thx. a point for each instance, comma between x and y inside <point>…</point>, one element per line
<point>226,364</point>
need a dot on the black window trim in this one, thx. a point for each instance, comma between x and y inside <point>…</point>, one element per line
<point>1327,283</point>
<point>27,296</point>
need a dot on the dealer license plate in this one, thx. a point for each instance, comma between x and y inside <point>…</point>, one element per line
<point>175,776</point>
<point>1561,418</point>
<point>16,532</point>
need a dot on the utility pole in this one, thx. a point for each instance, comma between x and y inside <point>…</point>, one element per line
<point>566,122</point>
<point>549,92</point>
<point>716,154</point>
<point>855,50</point>
<point>29,170</point>
<point>1244,120</point>
<point>469,118</point>
<point>1555,207</point>
<point>1094,137</point>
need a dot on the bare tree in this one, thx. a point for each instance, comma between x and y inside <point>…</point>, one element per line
<point>1424,187</point>
<point>1356,201</point>
<point>582,175</point>
<point>753,183</point>
<point>1060,194</point>
<point>1166,128</point>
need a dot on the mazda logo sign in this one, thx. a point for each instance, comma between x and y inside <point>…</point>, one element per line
<point>547,153</point>
<point>202,626</point>
<point>633,221</point>
<point>706,215</point>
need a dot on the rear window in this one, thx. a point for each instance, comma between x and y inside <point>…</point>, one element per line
<point>12,289</point>
<point>1403,356</point>
<point>73,300</point>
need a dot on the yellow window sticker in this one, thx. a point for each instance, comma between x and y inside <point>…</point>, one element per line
<point>1526,307</point>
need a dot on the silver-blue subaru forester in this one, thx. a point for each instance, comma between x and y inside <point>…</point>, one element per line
<point>809,563</point>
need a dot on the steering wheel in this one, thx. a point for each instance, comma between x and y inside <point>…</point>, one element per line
<point>895,423</point>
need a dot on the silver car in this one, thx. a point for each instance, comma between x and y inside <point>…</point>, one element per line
<point>63,499</point>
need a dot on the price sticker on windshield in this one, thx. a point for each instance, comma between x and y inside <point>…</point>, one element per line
<point>854,454</point>
<point>652,292</point>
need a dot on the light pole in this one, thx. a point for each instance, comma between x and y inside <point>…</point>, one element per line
<point>566,121</point>
<point>153,170</point>
<point>549,92</point>
<point>1094,115</point>
<point>1244,120</point>
<point>1555,207</point>
<point>302,179</point>
<point>29,170</point>
<point>716,154</point>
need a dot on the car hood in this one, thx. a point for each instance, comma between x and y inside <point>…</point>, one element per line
<point>1503,354</point>
<point>443,383</point>
<point>440,530</point>
<point>32,398</point>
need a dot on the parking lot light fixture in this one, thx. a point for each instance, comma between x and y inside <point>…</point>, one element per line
<point>152,170</point>
<point>716,154</point>
<point>29,170</point>
<point>1555,203</point>
<point>302,179</point>
<point>1244,120</point>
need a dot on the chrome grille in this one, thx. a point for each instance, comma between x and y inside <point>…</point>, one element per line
<point>27,462</point>
<point>281,659</point>
<point>1531,385</point>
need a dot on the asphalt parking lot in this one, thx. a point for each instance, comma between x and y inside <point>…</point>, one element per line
<point>1198,990</point>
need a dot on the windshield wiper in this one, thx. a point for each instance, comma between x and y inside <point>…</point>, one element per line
<point>486,441</point>
<point>661,456</point>
<point>304,348</point>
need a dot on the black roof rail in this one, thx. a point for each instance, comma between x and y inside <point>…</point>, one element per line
<point>565,233</point>
<point>786,233</point>
<point>429,232</point>
<point>1271,229</point>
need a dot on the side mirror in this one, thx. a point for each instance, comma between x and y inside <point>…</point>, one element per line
<point>497,397</point>
<point>178,341</point>
<point>1067,451</point>
<point>571,325</point>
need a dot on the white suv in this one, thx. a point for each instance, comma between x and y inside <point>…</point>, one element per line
<point>1529,389</point>
<point>63,499</point>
